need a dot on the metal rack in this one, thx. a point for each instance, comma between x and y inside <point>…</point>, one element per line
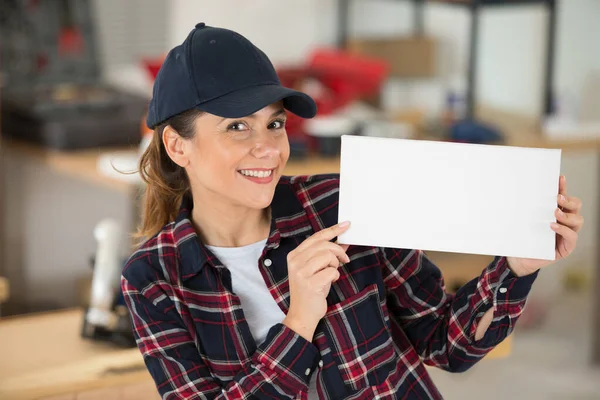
<point>474,7</point>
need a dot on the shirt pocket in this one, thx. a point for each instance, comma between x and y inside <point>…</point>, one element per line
<point>361,343</point>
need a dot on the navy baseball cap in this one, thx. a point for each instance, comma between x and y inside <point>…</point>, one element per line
<point>221,72</point>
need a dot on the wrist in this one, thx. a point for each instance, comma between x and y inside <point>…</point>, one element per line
<point>517,268</point>
<point>304,328</point>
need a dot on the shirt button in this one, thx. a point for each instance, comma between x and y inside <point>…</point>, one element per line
<point>268,262</point>
<point>320,363</point>
<point>307,372</point>
<point>503,290</point>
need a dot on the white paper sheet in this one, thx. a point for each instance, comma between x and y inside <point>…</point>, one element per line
<point>454,197</point>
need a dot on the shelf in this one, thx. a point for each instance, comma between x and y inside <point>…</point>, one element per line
<point>474,7</point>
<point>488,3</point>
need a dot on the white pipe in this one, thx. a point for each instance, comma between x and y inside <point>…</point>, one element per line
<point>107,269</point>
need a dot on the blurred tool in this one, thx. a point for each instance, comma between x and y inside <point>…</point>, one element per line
<point>107,317</point>
<point>70,39</point>
<point>468,131</point>
<point>328,130</point>
<point>335,79</point>
<point>4,290</point>
<point>54,95</point>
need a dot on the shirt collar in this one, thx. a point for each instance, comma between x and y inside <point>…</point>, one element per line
<point>288,219</point>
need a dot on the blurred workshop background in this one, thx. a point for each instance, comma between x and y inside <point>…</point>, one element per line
<point>76,76</point>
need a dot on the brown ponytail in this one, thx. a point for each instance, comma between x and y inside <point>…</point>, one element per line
<point>166,182</point>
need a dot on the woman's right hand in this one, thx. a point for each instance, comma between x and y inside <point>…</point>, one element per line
<point>312,268</point>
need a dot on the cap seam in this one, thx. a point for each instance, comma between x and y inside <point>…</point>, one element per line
<point>247,45</point>
<point>188,55</point>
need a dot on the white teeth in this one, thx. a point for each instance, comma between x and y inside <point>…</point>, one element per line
<point>258,174</point>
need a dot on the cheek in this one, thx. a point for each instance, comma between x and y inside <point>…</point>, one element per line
<point>215,162</point>
<point>284,149</point>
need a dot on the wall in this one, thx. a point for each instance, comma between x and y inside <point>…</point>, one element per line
<point>293,26</point>
<point>578,46</point>
<point>48,232</point>
<point>513,53</point>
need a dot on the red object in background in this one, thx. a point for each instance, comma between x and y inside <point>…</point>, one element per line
<point>348,74</point>
<point>152,66</point>
<point>70,39</point>
<point>344,77</point>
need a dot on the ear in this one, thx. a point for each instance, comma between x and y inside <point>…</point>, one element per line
<point>176,146</point>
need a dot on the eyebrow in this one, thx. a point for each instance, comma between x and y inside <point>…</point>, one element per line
<point>275,114</point>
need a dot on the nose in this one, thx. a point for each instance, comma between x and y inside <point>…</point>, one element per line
<point>265,146</point>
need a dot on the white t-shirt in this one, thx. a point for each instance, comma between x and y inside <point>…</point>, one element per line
<point>260,309</point>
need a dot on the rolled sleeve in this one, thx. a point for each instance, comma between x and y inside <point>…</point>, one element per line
<point>288,354</point>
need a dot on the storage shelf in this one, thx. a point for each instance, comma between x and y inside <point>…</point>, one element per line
<point>486,2</point>
<point>473,7</point>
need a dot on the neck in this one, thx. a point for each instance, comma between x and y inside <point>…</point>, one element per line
<point>224,225</point>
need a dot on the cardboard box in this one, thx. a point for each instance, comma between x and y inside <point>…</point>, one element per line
<point>409,57</point>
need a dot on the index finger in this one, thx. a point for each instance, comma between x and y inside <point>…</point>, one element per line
<point>562,185</point>
<point>330,233</point>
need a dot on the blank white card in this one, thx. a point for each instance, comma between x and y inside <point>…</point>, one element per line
<point>454,197</point>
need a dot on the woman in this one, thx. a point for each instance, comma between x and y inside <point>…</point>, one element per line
<point>240,290</point>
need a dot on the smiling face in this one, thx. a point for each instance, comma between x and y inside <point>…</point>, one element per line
<point>234,161</point>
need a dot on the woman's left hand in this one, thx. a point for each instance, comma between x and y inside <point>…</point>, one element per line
<point>568,224</point>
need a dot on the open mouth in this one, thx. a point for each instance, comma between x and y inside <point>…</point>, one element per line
<point>256,173</point>
<point>261,175</point>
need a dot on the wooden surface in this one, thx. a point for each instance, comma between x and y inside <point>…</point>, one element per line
<point>79,164</point>
<point>4,289</point>
<point>43,355</point>
<point>459,268</point>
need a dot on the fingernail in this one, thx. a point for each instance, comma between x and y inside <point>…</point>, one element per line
<point>562,198</point>
<point>344,224</point>
<point>560,212</point>
<point>554,225</point>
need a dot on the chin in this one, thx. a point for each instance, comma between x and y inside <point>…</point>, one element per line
<point>261,202</point>
<point>257,196</point>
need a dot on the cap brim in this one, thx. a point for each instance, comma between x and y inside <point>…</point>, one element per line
<point>249,100</point>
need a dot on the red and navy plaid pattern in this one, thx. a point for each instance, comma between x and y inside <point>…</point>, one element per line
<point>387,316</point>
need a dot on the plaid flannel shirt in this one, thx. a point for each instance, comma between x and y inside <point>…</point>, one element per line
<point>387,316</point>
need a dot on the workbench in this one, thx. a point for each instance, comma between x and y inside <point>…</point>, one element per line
<point>43,357</point>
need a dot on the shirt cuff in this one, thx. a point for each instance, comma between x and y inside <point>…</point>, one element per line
<point>289,355</point>
<point>510,291</point>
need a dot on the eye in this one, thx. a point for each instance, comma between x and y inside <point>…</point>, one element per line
<point>277,124</point>
<point>237,126</point>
